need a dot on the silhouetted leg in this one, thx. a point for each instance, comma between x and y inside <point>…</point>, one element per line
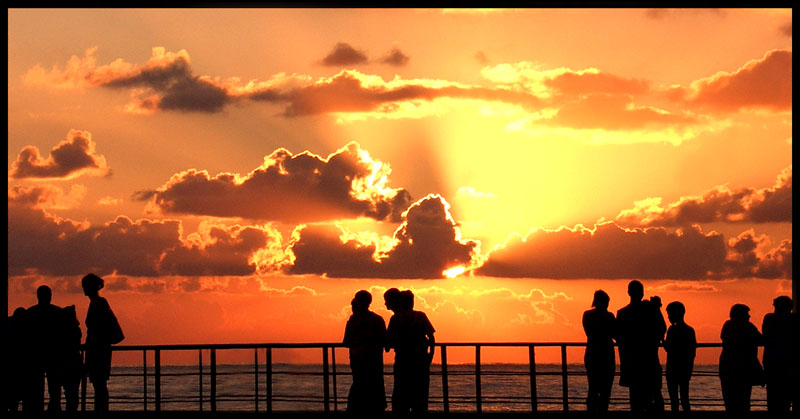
<point>71,386</point>
<point>672,389</point>
<point>100,396</point>
<point>54,391</point>
<point>684,392</point>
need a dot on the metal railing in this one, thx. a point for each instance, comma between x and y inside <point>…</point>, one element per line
<point>264,377</point>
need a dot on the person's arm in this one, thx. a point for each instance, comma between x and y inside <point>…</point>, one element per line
<point>431,347</point>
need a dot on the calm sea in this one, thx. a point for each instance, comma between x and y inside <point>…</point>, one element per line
<point>299,387</point>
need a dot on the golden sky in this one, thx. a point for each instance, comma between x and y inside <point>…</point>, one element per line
<point>243,172</point>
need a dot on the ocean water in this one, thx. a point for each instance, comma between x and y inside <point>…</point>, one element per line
<point>299,387</point>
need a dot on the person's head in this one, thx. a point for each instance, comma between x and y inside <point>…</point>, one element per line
<point>44,295</point>
<point>18,312</point>
<point>390,298</point>
<point>600,300</point>
<point>406,300</point>
<point>740,312</point>
<point>635,290</point>
<point>361,301</point>
<point>656,301</point>
<point>675,312</point>
<point>92,284</point>
<point>783,304</point>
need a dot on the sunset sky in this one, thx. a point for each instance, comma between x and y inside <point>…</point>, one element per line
<point>236,175</point>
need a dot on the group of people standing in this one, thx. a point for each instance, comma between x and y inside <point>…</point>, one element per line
<point>410,334</point>
<point>46,343</point>
<point>639,330</point>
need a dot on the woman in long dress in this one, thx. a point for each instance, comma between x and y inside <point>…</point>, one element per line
<point>99,320</point>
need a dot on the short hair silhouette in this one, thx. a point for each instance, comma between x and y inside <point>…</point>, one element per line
<point>635,290</point>
<point>676,310</point>
<point>601,299</point>
<point>783,304</point>
<point>92,282</point>
<point>390,297</point>
<point>740,312</point>
<point>362,297</point>
<point>44,294</point>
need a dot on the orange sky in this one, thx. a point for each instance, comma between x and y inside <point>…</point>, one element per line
<point>243,172</point>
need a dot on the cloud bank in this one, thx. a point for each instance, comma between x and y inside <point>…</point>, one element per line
<point>720,204</point>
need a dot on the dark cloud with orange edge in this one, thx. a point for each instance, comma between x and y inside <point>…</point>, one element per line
<point>288,188</point>
<point>70,158</point>
<point>720,204</point>
<point>427,243</point>
<point>750,256</point>
<point>344,54</point>
<point>49,245</point>
<point>764,83</point>
<point>609,251</point>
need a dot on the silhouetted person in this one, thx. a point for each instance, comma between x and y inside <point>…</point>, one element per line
<point>410,333</point>
<point>640,330</point>
<point>681,347</point>
<point>739,369</point>
<point>16,360</point>
<point>365,335</point>
<point>778,362</point>
<point>600,327</point>
<point>42,321</point>
<point>100,324</point>
<point>70,363</point>
<point>658,398</point>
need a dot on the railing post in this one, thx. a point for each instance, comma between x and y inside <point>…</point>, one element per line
<point>213,380</point>
<point>325,389</point>
<point>445,388</point>
<point>564,379</point>
<point>478,403</point>
<point>157,367</point>
<point>83,383</point>
<point>532,365</point>
<point>144,378</point>
<point>269,380</point>
<point>333,366</point>
<point>200,373</point>
<point>255,364</point>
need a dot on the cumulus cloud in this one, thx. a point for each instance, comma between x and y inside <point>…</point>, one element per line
<point>609,251</point>
<point>344,54</point>
<point>720,204</point>
<point>612,112</point>
<point>750,256</point>
<point>288,188</point>
<point>49,245</point>
<point>426,244</point>
<point>72,157</point>
<point>764,83</point>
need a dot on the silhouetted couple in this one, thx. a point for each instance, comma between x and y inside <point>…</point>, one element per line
<point>410,334</point>
<point>640,331</point>
<point>45,341</point>
<point>739,369</point>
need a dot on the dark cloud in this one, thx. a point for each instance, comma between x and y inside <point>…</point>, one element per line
<point>764,83</point>
<point>70,158</point>
<point>350,91</point>
<point>344,54</point>
<point>427,243</point>
<point>395,57</point>
<point>748,257</point>
<point>48,245</point>
<point>289,188</point>
<point>608,252</point>
<point>772,204</point>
